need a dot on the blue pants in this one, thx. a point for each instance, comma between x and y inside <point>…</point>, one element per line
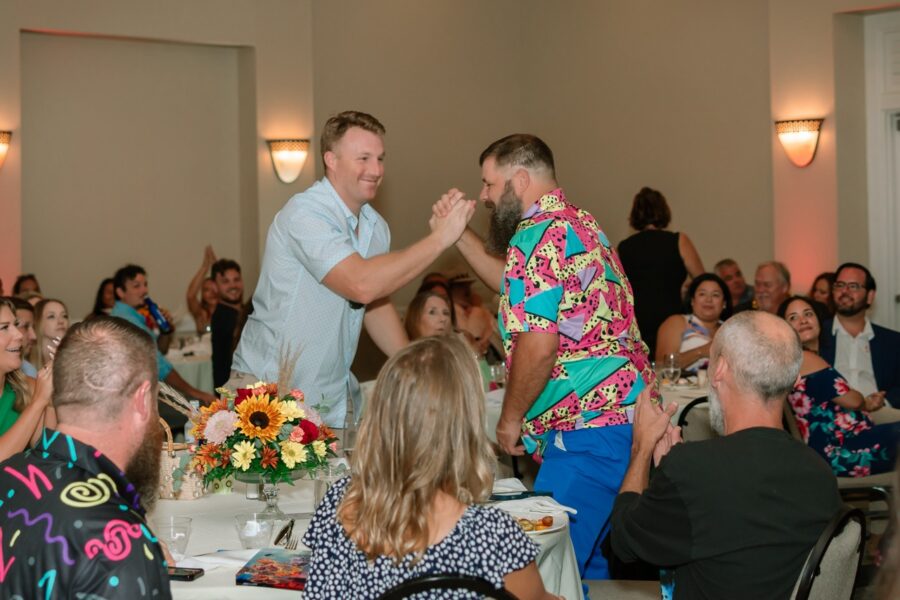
<point>586,475</point>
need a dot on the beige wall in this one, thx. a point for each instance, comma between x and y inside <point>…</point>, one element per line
<point>274,59</point>
<point>817,70</point>
<point>671,95</point>
<point>161,173</point>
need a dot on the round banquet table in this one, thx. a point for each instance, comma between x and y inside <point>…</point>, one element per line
<point>212,529</point>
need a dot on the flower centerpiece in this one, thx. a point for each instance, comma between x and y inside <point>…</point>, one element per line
<point>257,436</point>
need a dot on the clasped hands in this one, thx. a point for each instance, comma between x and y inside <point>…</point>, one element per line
<point>653,432</point>
<point>450,215</point>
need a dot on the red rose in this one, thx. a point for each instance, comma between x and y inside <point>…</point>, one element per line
<point>310,431</point>
<point>242,394</point>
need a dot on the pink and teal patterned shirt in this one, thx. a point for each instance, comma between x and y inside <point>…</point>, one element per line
<point>562,276</point>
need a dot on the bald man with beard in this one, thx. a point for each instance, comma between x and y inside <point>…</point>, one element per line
<point>73,514</point>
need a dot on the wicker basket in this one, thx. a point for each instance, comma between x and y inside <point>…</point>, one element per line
<point>192,486</point>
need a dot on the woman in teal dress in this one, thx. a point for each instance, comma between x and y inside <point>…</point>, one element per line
<point>24,402</point>
<point>831,416</point>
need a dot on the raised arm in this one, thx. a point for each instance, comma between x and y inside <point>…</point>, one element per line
<point>365,280</point>
<point>384,326</point>
<point>193,292</point>
<point>689,255</point>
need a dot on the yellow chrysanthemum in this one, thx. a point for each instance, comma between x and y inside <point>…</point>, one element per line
<point>260,418</point>
<point>291,411</point>
<point>243,455</point>
<point>292,453</point>
<point>319,448</point>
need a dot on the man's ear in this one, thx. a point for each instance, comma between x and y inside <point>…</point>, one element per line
<point>143,402</point>
<point>330,160</point>
<point>870,297</point>
<point>521,180</point>
<point>718,374</point>
<point>120,293</point>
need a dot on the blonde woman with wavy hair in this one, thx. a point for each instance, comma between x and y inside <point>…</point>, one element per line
<point>24,403</point>
<point>422,461</point>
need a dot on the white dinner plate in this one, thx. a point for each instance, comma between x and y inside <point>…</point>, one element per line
<point>560,520</point>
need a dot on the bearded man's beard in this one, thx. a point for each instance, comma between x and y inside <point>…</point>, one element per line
<point>142,470</point>
<point>504,221</point>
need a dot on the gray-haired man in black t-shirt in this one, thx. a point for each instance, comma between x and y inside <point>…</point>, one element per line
<point>733,517</point>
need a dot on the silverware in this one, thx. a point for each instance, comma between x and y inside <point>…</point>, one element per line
<point>285,534</point>
<point>291,544</point>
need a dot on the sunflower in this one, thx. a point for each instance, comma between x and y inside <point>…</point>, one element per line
<point>260,418</point>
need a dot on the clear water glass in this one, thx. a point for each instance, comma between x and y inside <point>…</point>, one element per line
<point>175,532</point>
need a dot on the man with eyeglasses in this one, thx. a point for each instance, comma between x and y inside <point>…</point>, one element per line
<point>866,354</point>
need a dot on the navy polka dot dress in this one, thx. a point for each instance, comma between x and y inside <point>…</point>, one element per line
<point>486,542</point>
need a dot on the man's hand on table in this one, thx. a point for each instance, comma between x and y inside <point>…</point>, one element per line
<point>508,432</point>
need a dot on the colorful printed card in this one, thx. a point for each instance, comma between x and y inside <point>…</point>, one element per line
<point>277,568</point>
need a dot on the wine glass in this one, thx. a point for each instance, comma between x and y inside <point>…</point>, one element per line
<point>498,374</point>
<point>670,369</point>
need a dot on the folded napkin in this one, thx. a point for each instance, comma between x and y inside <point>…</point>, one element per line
<point>495,397</point>
<point>535,504</point>
<point>222,558</point>
<point>510,485</point>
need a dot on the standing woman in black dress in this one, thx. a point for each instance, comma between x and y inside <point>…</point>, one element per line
<point>657,262</point>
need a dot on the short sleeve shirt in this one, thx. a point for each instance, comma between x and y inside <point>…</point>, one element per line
<point>123,311</point>
<point>72,526</point>
<point>562,276</point>
<point>485,543</point>
<point>294,312</point>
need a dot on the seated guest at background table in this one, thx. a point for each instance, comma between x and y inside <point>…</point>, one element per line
<point>25,323</point>
<point>866,354</point>
<point>411,506</point>
<point>202,294</point>
<point>94,478</point>
<point>830,413</point>
<point>428,314</point>
<point>104,300</point>
<point>736,516</point>
<point>771,287</point>
<point>731,274</point>
<point>690,336</point>
<point>51,321</point>
<point>820,290</point>
<point>228,318</point>
<point>24,401</point>
<point>657,262</point>
<point>131,290</point>
<point>26,283</point>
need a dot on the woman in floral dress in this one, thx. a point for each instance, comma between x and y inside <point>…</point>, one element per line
<point>833,418</point>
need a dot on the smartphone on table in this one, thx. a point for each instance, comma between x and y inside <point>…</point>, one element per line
<point>182,574</point>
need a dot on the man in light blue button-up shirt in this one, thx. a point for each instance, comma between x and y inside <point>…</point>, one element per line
<point>327,270</point>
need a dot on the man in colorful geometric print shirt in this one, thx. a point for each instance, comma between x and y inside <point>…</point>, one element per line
<point>575,358</point>
<point>72,510</point>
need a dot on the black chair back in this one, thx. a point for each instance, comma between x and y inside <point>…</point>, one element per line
<point>845,560</point>
<point>449,581</point>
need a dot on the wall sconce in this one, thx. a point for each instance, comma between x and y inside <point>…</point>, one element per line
<point>799,139</point>
<point>288,157</point>
<point>5,137</point>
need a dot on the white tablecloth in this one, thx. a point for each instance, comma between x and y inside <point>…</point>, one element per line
<point>213,529</point>
<point>194,363</point>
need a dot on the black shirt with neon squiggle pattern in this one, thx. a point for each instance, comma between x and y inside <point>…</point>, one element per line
<point>72,526</point>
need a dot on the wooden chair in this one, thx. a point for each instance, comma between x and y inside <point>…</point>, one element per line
<point>449,581</point>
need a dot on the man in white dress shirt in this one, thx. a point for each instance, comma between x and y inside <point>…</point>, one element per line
<point>866,354</point>
<point>327,270</point>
